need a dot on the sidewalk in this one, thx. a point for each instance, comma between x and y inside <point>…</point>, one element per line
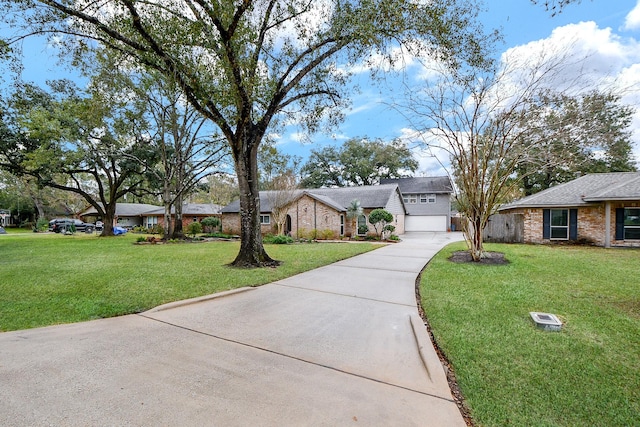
<point>339,345</point>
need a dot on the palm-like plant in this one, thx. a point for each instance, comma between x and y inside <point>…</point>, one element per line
<point>354,210</point>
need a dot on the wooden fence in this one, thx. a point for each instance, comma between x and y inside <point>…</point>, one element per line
<point>505,228</point>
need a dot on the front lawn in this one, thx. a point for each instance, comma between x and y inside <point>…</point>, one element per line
<point>47,279</point>
<point>511,373</point>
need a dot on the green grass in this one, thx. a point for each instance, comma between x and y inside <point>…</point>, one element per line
<point>48,279</point>
<point>511,373</point>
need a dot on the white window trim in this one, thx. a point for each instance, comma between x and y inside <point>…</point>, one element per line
<point>265,219</point>
<point>634,227</point>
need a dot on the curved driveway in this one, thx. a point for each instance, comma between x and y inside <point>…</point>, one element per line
<point>339,345</point>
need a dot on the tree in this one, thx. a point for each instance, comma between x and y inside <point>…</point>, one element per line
<point>379,218</point>
<point>354,210</point>
<point>358,162</point>
<point>189,152</point>
<point>85,143</point>
<point>479,119</point>
<point>248,66</point>
<point>574,135</point>
<point>283,191</point>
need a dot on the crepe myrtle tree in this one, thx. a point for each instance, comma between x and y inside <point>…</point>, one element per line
<point>250,66</point>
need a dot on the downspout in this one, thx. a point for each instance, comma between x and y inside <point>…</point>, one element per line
<point>607,224</point>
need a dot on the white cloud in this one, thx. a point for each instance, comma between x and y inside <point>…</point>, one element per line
<point>632,21</point>
<point>594,58</point>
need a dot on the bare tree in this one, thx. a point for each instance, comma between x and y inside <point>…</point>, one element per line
<point>284,190</point>
<point>478,119</point>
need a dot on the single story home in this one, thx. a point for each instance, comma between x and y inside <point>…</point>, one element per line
<point>129,215</point>
<point>602,208</point>
<point>191,212</point>
<point>428,202</point>
<point>323,211</point>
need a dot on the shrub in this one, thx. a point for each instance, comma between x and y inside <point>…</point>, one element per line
<point>280,239</point>
<point>327,234</point>
<point>156,229</point>
<point>41,225</point>
<point>363,229</point>
<point>210,224</point>
<point>194,228</point>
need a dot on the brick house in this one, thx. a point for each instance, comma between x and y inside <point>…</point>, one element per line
<point>603,209</point>
<point>322,212</point>
<point>129,215</point>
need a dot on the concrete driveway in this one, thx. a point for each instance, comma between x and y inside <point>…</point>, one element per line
<point>339,345</point>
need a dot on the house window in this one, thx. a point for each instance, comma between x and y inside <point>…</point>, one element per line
<point>410,198</point>
<point>151,221</point>
<point>363,228</point>
<point>559,224</point>
<point>632,224</point>
<point>423,198</point>
<point>265,219</point>
<point>342,225</point>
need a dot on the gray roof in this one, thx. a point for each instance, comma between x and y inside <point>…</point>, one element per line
<point>190,209</point>
<point>125,209</point>
<point>370,197</point>
<point>597,187</point>
<point>422,185</point>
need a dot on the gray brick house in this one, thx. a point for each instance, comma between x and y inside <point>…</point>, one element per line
<point>323,211</point>
<point>600,208</point>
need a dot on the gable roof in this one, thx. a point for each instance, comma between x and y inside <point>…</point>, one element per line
<point>125,209</point>
<point>425,184</point>
<point>190,209</point>
<point>370,197</point>
<point>597,187</point>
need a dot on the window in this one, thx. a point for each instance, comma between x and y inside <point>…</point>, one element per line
<point>265,219</point>
<point>342,225</point>
<point>410,198</point>
<point>632,224</point>
<point>151,221</point>
<point>559,224</point>
<point>363,228</point>
<point>423,198</point>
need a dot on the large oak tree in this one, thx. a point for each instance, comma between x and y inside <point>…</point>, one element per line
<point>248,65</point>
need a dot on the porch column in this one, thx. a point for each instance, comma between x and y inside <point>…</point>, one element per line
<point>607,224</point>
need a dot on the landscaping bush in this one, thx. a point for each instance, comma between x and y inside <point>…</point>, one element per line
<point>280,239</point>
<point>194,228</point>
<point>210,224</point>
<point>327,235</point>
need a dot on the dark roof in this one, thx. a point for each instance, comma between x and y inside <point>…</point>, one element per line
<point>597,187</point>
<point>370,197</point>
<point>190,209</point>
<point>421,185</point>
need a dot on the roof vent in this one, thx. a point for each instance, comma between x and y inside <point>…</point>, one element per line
<point>546,321</point>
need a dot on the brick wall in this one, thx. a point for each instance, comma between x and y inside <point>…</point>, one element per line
<point>310,218</point>
<point>591,224</point>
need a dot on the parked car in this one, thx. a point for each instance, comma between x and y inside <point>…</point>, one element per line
<point>65,224</point>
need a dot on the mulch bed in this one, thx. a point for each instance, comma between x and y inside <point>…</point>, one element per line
<point>490,258</point>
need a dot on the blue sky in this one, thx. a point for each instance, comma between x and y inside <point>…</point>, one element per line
<point>608,30</point>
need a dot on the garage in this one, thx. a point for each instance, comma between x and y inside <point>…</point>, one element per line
<point>425,223</point>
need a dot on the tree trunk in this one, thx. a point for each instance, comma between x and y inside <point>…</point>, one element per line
<point>108,218</point>
<point>252,253</point>
<point>178,232</point>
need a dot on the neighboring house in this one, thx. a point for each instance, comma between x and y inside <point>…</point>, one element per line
<point>129,215</point>
<point>191,212</point>
<point>323,211</point>
<point>600,208</point>
<point>427,200</point>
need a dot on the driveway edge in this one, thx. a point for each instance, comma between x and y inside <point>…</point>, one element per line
<point>196,300</point>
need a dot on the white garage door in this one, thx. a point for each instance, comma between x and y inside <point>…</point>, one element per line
<point>425,223</point>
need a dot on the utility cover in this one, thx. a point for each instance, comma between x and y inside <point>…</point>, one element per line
<point>546,321</point>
